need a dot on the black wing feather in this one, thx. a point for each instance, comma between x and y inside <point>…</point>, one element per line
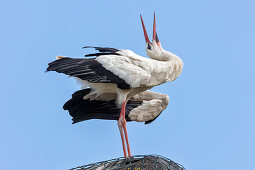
<point>82,110</point>
<point>98,54</point>
<point>104,49</point>
<point>86,69</point>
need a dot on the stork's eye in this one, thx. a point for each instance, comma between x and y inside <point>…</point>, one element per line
<point>149,47</point>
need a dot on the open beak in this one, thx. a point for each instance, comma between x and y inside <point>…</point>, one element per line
<point>155,36</point>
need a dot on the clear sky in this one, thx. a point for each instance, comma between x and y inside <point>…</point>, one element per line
<point>209,122</point>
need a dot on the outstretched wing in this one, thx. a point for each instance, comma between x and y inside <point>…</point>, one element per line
<point>84,109</point>
<point>121,67</point>
<point>86,69</point>
<point>144,107</point>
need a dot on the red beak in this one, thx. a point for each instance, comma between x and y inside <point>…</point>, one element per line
<point>144,31</point>
<point>154,28</point>
<point>155,36</point>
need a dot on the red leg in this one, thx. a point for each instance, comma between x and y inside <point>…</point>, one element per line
<point>126,136</point>
<point>123,108</point>
<point>122,126</point>
<point>122,137</point>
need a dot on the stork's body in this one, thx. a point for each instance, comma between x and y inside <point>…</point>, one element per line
<point>138,74</point>
<point>119,81</point>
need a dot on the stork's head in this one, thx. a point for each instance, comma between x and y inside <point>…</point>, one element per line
<point>154,49</point>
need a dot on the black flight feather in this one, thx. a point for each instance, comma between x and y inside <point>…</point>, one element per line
<point>98,54</point>
<point>103,49</point>
<point>82,110</point>
<point>87,69</point>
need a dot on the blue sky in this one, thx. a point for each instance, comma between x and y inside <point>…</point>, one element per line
<point>209,122</point>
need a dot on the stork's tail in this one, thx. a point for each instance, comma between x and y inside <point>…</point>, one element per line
<point>82,110</point>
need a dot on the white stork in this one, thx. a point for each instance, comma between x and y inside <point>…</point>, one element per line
<point>115,84</point>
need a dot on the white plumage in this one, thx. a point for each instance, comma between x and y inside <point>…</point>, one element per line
<point>153,104</point>
<point>139,71</point>
<point>120,79</point>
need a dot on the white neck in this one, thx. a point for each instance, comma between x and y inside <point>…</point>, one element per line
<point>175,64</point>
